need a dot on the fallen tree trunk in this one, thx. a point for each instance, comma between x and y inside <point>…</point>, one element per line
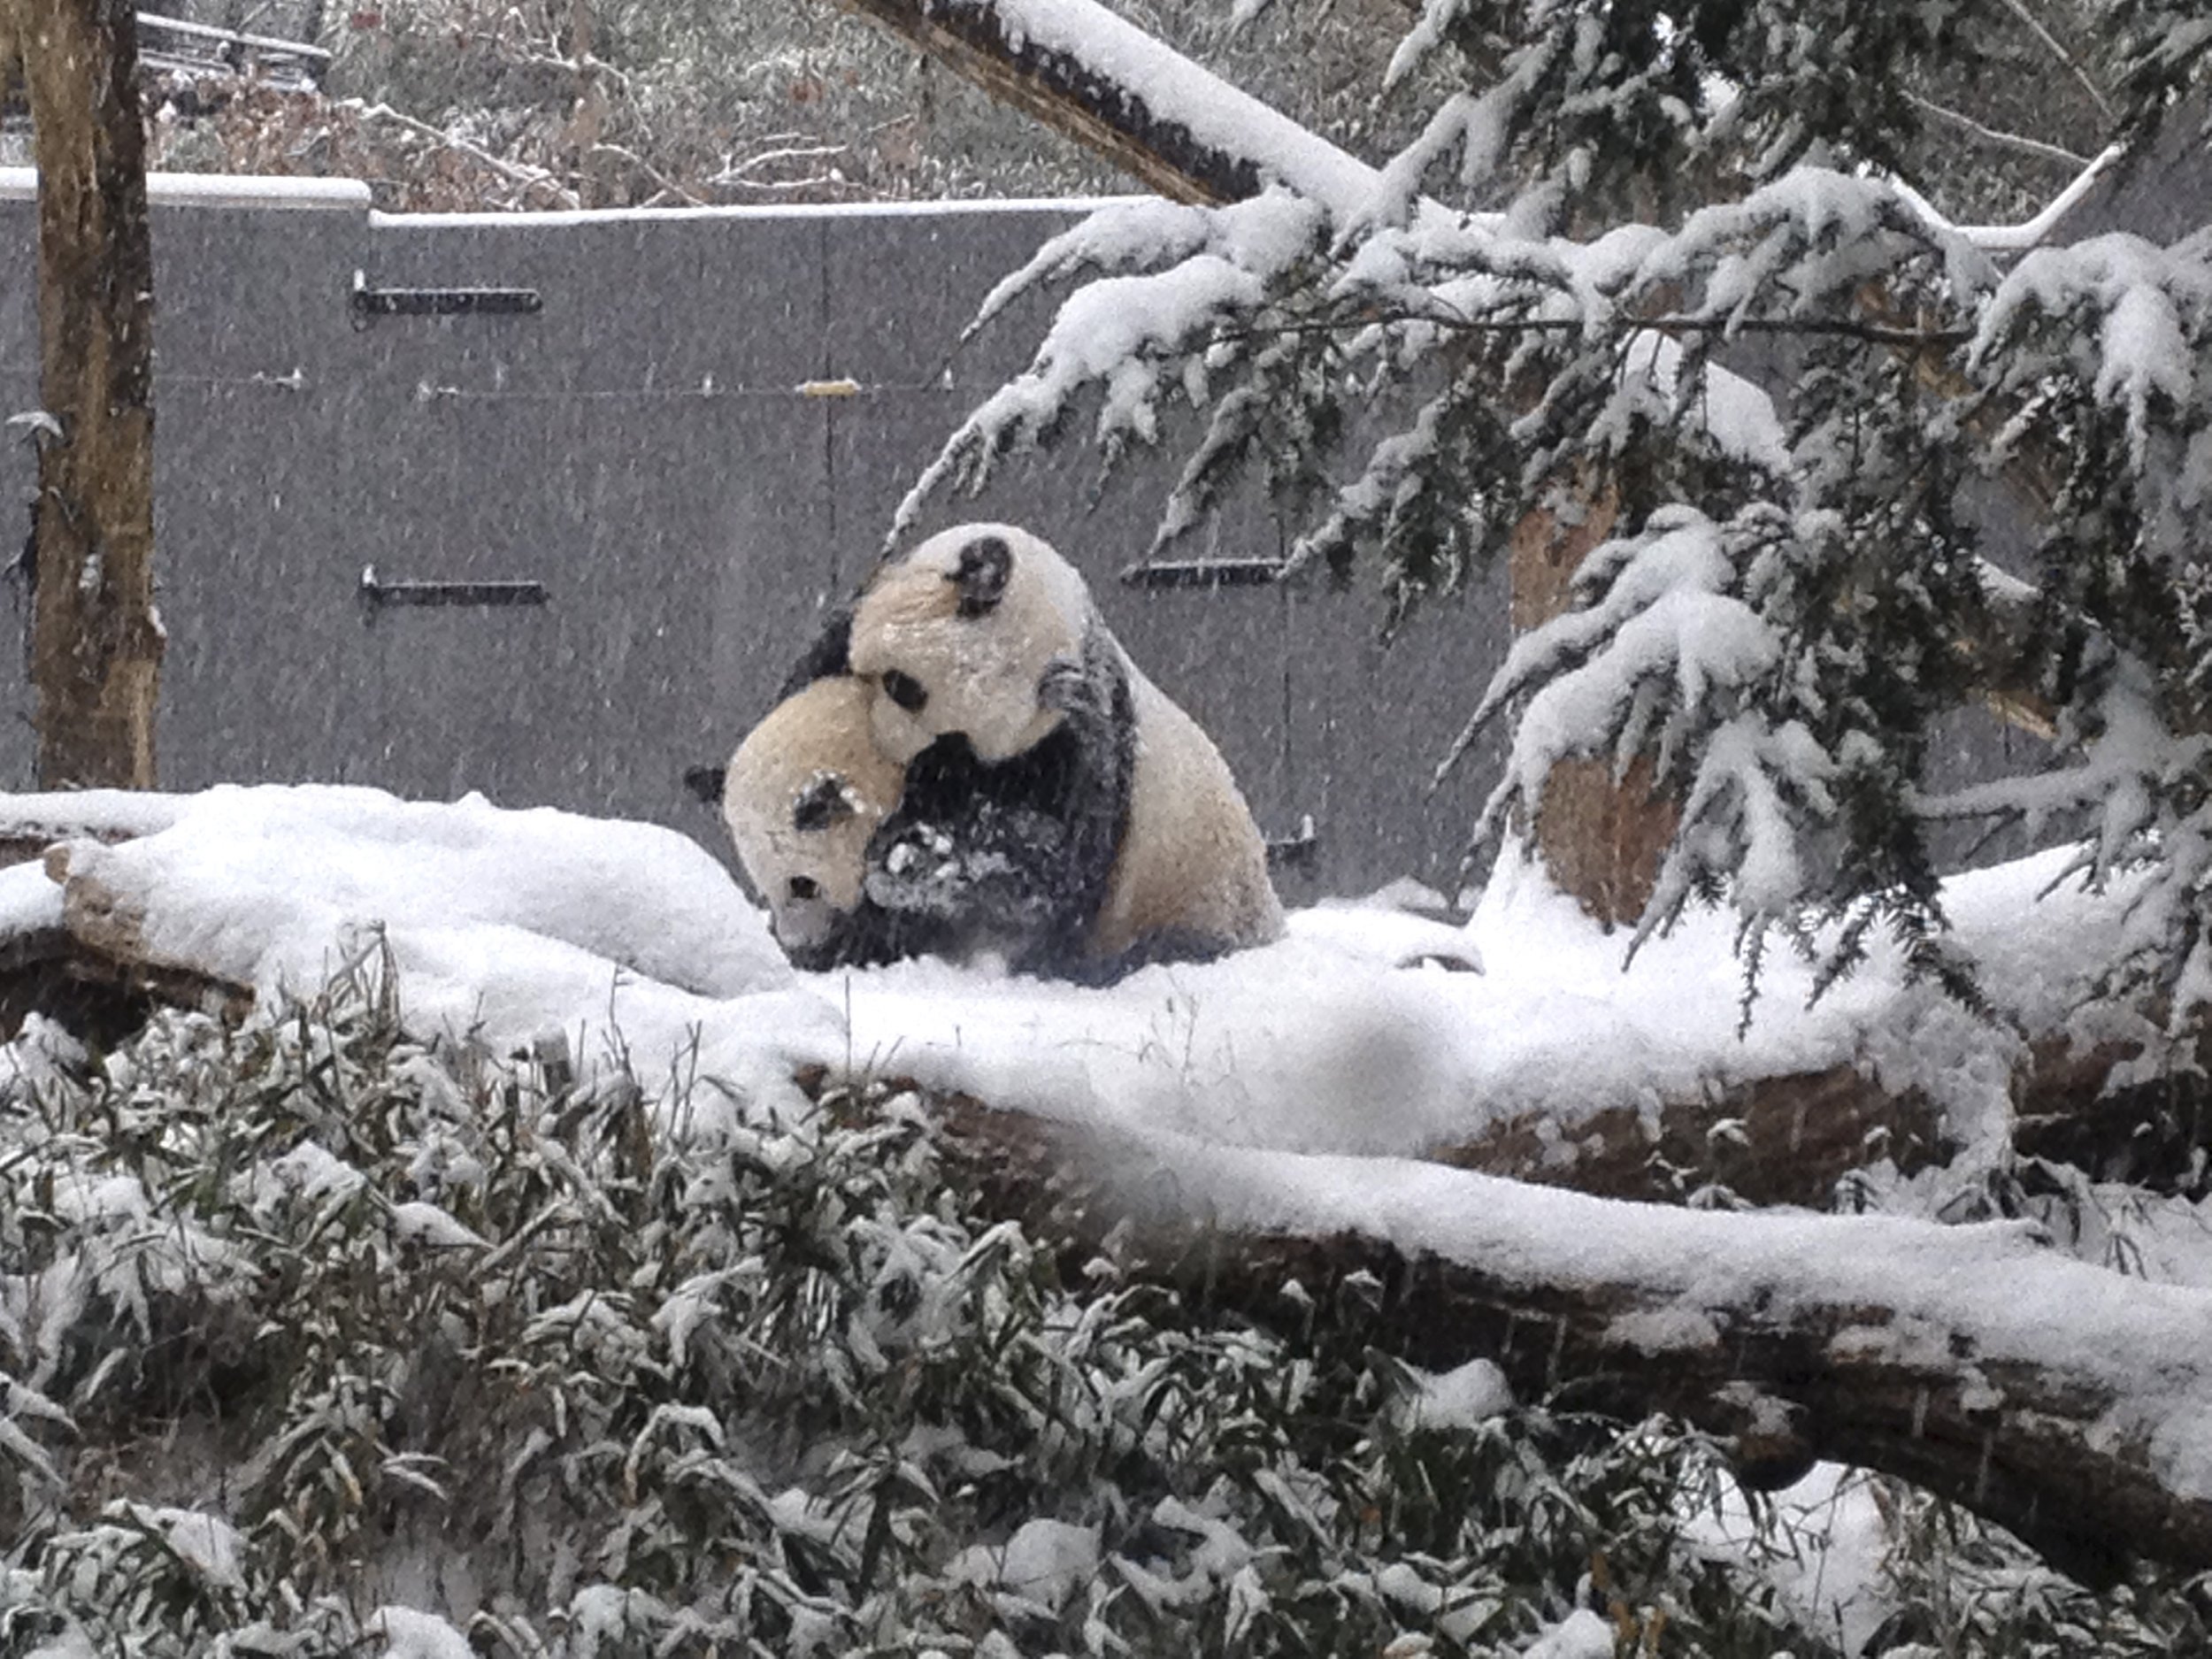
<point>2070,1404</point>
<point>1786,1138</point>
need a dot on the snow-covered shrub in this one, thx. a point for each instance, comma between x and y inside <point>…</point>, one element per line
<point>314,1339</point>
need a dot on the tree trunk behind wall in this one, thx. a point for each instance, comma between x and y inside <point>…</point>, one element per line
<point>1600,842</point>
<point>95,639</point>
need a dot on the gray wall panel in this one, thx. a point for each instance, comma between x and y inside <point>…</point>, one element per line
<point>709,535</point>
<point>643,447</point>
<point>281,303</point>
<point>902,285</point>
<point>1372,719</point>
<point>733,303</point>
<point>18,295</point>
<point>265,675</point>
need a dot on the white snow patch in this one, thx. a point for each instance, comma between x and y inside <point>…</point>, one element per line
<point>1462,1397</point>
<point>514,926</point>
<point>220,189</point>
<point>510,927</point>
<point>416,1221</point>
<point>407,1634</point>
<point>1582,1634</point>
<point>1832,1563</point>
<point>1665,1330</point>
<point>210,1545</point>
<point>1048,1562</point>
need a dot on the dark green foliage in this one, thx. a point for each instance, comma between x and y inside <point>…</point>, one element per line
<point>349,1304</point>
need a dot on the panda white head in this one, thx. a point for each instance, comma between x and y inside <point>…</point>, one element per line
<point>805,793</point>
<point>957,635</point>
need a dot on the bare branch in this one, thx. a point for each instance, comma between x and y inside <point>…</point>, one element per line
<point>529,178</point>
<point>2017,142</point>
<point>2019,9</point>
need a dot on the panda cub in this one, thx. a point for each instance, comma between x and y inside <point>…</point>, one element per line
<point>1056,803</point>
<point>802,796</point>
<point>811,803</point>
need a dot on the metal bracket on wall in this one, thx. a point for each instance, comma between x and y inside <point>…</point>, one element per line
<point>1206,573</point>
<point>1300,850</point>
<point>367,302</point>
<point>376,593</point>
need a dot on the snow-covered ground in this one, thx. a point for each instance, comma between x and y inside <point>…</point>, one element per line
<point>1367,1032</point>
<point>1294,1086</point>
<point>1369,1029</point>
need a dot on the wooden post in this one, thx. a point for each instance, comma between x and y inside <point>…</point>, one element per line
<point>95,639</point>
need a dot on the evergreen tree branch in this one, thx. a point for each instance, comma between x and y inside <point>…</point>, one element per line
<point>2058,49</point>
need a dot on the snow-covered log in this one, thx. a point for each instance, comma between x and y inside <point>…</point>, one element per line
<point>1106,83</point>
<point>1293,1115</point>
<point>224,892</point>
<point>2067,1402</point>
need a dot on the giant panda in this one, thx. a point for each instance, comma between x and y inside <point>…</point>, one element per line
<point>1078,810</point>
<point>819,816</point>
<point>802,796</point>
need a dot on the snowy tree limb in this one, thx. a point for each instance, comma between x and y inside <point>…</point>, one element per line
<point>2065,1402</point>
<point>2018,142</point>
<point>2058,49</point>
<point>1195,138</point>
<point>991,43</point>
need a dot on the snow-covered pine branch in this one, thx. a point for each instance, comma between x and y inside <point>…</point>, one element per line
<point>1655,228</point>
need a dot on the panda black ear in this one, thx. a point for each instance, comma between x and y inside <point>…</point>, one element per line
<point>985,566</point>
<point>821,804</point>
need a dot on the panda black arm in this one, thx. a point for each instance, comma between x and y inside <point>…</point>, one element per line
<point>1092,775</point>
<point>969,851</point>
<point>1017,855</point>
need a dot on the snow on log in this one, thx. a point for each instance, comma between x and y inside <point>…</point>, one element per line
<point>1291,1112</point>
<point>1101,80</point>
<point>2068,1402</point>
<point>32,823</point>
<point>1553,1066</point>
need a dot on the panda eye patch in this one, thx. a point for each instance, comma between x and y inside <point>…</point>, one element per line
<point>822,803</point>
<point>803,887</point>
<point>905,690</point>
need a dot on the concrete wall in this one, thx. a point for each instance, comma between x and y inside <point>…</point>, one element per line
<point>641,448</point>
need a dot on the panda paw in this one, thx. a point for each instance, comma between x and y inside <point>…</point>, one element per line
<point>1070,688</point>
<point>919,872</point>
